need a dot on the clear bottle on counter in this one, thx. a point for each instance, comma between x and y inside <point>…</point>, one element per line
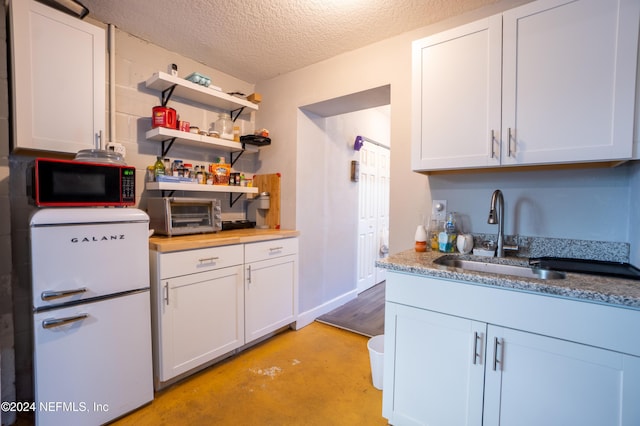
<point>435,226</point>
<point>167,167</point>
<point>447,238</point>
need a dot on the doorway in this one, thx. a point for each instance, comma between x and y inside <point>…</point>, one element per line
<point>327,201</point>
<point>373,212</point>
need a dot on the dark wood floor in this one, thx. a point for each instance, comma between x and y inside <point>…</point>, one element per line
<point>363,315</point>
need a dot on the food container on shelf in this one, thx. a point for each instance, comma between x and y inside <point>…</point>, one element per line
<point>224,126</point>
<point>162,116</point>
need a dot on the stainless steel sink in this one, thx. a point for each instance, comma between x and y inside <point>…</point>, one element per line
<point>499,268</point>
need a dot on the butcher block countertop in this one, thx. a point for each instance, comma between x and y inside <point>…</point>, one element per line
<point>164,244</point>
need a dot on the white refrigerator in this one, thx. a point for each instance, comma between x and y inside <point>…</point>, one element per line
<point>92,322</point>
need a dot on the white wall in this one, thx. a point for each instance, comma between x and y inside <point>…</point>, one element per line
<point>328,201</point>
<point>136,61</point>
<point>590,204</point>
<point>384,63</point>
<point>592,194</point>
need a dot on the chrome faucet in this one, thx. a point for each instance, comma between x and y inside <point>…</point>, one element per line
<point>498,199</point>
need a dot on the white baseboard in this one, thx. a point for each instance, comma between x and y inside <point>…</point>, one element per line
<point>306,318</point>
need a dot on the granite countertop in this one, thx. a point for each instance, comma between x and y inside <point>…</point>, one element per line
<point>590,288</point>
<point>165,244</point>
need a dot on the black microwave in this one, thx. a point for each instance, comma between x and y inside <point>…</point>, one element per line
<point>70,183</point>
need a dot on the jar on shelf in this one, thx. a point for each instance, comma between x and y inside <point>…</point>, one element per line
<point>224,126</point>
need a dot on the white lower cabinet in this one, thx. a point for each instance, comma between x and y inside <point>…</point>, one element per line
<point>198,308</point>
<point>271,292</point>
<point>209,302</point>
<point>205,316</point>
<point>539,380</point>
<point>435,379</point>
<point>447,368</point>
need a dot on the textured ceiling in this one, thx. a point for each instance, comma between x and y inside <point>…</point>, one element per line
<point>255,40</point>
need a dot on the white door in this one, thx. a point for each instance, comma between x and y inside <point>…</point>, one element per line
<point>373,212</point>
<point>456,97</point>
<point>540,380</point>
<point>58,79</point>
<point>553,109</point>
<point>434,371</point>
<point>270,295</point>
<point>97,361</point>
<point>202,318</point>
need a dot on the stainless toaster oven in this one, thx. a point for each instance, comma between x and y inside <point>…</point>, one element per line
<point>182,215</point>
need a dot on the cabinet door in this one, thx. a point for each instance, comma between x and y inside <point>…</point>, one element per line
<point>201,318</point>
<point>271,295</point>
<point>538,380</point>
<point>456,97</point>
<point>58,79</point>
<point>433,368</point>
<point>569,81</point>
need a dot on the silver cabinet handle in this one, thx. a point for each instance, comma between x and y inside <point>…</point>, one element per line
<point>166,293</point>
<point>496,343</point>
<point>249,274</point>
<point>208,259</point>
<point>275,248</point>
<point>50,295</point>
<point>493,144</point>
<point>57,322</point>
<point>512,152</point>
<point>476,354</point>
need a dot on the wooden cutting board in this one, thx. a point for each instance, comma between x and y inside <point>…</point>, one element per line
<point>270,183</point>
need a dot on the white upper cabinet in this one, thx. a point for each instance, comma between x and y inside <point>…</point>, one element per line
<point>569,76</point>
<point>456,97</point>
<point>552,81</point>
<point>58,73</point>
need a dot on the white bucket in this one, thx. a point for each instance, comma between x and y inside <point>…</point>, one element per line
<point>376,356</point>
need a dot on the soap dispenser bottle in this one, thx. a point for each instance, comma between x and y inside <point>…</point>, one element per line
<point>447,238</point>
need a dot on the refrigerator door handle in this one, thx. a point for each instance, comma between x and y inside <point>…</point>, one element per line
<point>57,322</point>
<point>50,295</point>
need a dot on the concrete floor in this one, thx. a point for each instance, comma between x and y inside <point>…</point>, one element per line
<point>319,375</point>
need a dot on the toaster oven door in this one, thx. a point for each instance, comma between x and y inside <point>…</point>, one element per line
<point>192,216</point>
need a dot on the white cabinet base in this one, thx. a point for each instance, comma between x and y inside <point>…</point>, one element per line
<point>460,353</point>
<point>210,303</point>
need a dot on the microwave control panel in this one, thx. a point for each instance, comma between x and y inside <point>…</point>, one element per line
<point>128,178</point>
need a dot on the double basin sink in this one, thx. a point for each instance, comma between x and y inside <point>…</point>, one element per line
<point>499,268</point>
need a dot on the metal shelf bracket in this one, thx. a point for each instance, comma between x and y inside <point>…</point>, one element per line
<point>233,160</point>
<point>166,95</point>
<point>231,200</point>
<point>165,150</point>
<point>237,115</point>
